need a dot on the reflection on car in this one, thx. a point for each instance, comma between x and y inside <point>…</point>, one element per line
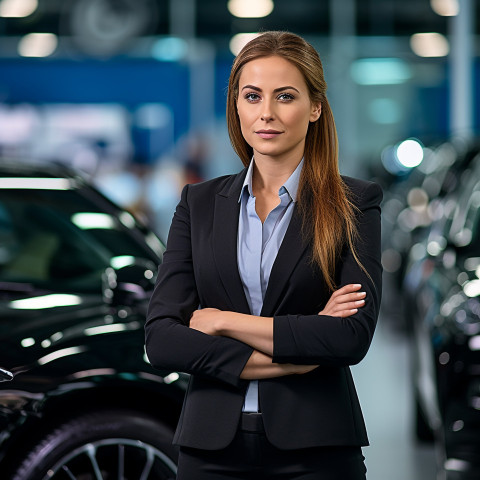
<point>439,280</point>
<point>78,398</point>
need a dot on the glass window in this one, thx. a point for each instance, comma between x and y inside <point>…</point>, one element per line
<point>62,240</point>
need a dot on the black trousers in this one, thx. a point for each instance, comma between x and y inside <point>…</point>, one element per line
<point>252,457</point>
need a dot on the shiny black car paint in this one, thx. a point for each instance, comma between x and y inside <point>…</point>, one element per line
<point>441,290</point>
<point>71,328</point>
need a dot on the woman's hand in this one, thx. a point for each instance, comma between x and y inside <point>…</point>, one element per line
<point>345,301</point>
<point>206,320</point>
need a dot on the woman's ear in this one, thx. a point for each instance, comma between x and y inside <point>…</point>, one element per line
<point>316,112</point>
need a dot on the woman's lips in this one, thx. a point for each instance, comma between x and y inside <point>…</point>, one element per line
<point>268,133</point>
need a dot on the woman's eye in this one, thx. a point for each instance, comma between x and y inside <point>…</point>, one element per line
<point>285,97</point>
<point>252,97</point>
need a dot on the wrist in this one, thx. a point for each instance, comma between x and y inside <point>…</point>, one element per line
<point>221,323</point>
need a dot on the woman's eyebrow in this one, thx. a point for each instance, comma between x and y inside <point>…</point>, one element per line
<point>279,89</point>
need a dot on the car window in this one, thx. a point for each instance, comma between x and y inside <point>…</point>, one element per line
<point>59,239</point>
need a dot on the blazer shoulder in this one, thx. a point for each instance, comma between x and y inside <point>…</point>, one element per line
<point>363,192</point>
<point>224,185</point>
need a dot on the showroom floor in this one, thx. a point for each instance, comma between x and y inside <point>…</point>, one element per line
<point>383,385</point>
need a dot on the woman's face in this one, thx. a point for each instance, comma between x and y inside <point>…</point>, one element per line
<point>274,108</point>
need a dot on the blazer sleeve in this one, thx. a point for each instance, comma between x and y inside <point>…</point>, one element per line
<point>170,343</point>
<point>327,340</point>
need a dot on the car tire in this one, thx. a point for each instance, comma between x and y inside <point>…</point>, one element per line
<point>107,445</point>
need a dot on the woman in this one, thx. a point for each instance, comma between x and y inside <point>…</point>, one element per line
<point>284,261</point>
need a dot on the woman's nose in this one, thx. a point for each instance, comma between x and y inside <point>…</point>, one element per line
<point>267,111</point>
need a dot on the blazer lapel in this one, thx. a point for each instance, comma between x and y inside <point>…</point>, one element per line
<point>225,231</point>
<point>291,250</point>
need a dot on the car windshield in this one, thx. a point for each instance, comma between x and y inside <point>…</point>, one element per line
<point>63,239</point>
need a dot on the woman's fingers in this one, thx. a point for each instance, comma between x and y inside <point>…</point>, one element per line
<point>345,301</point>
<point>349,288</point>
<point>348,297</point>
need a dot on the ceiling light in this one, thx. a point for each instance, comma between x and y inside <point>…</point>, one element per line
<point>445,8</point>
<point>410,153</point>
<point>17,8</point>
<point>238,41</point>
<point>37,45</point>
<point>170,49</point>
<point>250,8</point>
<point>380,71</point>
<point>429,44</point>
<point>35,183</point>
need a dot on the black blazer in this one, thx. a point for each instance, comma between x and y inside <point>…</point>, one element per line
<point>200,268</point>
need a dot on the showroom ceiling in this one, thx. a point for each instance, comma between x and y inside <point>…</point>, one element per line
<point>89,21</point>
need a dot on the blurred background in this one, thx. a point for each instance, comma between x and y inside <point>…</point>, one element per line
<point>133,93</point>
<point>119,88</point>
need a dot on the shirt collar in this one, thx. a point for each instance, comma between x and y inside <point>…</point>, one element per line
<point>290,186</point>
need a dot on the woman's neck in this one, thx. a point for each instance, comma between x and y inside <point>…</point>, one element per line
<point>269,174</point>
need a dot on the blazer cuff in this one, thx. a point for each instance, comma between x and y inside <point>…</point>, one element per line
<point>285,347</point>
<point>228,361</point>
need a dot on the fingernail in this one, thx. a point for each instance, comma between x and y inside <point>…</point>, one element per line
<point>359,302</point>
<point>354,310</point>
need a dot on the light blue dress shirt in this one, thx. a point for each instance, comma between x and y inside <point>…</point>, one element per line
<point>257,248</point>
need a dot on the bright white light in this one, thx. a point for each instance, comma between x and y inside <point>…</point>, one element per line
<point>122,261</point>
<point>37,45</point>
<point>239,40</point>
<point>410,153</point>
<point>89,220</point>
<point>46,301</point>
<point>472,288</point>
<point>429,44</point>
<point>250,8</point>
<point>474,343</point>
<point>434,248</point>
<point>116,327</point>
<point>35,183</point>
<point>454,464</point>
<point>380,71</point>
<point>27,342</point>
<point>173,377</point>
<point>60,354</point>
<point>148,274</point>
<point>445,8</point>
<point>17,8</point>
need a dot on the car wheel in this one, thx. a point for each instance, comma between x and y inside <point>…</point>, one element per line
<point>103,445</point>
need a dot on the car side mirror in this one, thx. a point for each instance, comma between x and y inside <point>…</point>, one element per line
<point>5,375</point>
<point>129,284</point>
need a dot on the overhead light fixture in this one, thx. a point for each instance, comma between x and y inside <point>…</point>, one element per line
<point>429,44</point>
<point>445,8</point>
<point>380,71</point>
<point>17,8</point>
<point>410,153</point>
<point>250,8</point>
<point>238,41</point>
<point>37,45</point>
<point>35,183</point>
<point>170,49</point>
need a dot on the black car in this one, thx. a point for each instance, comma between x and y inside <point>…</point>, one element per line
<point>76,273</point>
<point>442,289</point>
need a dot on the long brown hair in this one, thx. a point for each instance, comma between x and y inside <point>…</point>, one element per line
<point>323,198</point>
